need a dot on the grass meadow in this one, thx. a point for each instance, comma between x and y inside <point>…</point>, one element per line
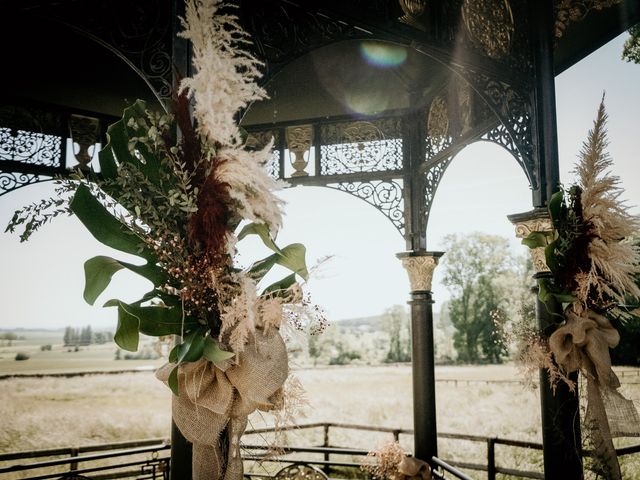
<point>51,412</point>
<point>48,412</point>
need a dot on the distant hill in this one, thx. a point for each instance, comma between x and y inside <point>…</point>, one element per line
<point>363,323</point>
<point>370,324</point>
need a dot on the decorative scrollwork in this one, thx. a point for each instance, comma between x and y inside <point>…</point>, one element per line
<point>571,11</point>
<point>500,135</point>
<point>513,110</point>
<point>30,147</point>
<point>362,146</point>
<point>386,196</point>
<point>432,179</point>
<point>10,181</point>
<point>438,119</point>
<point>490,25</point>
<point>413,10</point>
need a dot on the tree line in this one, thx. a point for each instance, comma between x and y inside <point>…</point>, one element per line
<point>78,337</point>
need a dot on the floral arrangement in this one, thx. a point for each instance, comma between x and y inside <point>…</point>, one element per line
<point>390,462</point>
<point>174,193</point>
<point>593,267</point>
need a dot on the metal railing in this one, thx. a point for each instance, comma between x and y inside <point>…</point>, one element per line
<point>149,459</point>
<point>141,459</point>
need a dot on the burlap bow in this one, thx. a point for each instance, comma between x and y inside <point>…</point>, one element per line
<point>583,343</point>
<point>215,400</point>
<point>411,468</point>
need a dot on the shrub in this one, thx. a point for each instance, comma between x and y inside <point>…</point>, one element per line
<point>22,356</point>
<point>45,348</point>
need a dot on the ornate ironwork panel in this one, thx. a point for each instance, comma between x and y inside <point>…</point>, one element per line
<point>386,195</point>
<point>571,11</point>
<point>260,139</point>
<point>361,146</point>
<point>10,181</point>
<point>432,178</point>
<point>31,136</point>
<point>490,26</point>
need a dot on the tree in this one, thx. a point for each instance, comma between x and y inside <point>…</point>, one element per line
<point>86,335</point>
<point>10,337</point>
<point>631,49</point>
<point>473,266</point>
<point>395,322</point>
<point>69,336</point>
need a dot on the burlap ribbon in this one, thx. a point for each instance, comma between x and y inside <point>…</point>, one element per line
<point>215,400</point>
<point>411,468</point>
<point>583,342</point>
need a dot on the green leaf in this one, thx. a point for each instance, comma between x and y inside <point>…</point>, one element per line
<point>262,230</point>
<point>536,239</point>
<point>127,336</point>
<point>292,257</point>
<point>555,205</point>
<point>173,381</point>
<point>213,352</point>
<point>117,148</point>
<point>156,320</point>
<point>191,349</point>
<point>564,297</point>
<point>104,226</point>
<point>98,272</point>
<point>550,257</point>
<point>278,288</point>
<point>108,166</point>
<point>173,354</point>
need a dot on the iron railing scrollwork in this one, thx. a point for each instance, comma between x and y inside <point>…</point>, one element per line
<point>361,146</point>
<point>386,196</point>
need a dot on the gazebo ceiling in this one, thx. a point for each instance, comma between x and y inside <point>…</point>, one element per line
<point>353,77</point>
<point>48,61</point>
<point>54,51</point>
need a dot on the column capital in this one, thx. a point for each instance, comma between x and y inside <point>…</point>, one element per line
<point>420,265</point>
<point>537,220</point>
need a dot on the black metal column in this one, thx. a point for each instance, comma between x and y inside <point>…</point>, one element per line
<point>561,437</point>
<point>424,380</point>
<point>560,412</point>
<point>544,127</point>
<point>181,449</point>
<point>420,266</point>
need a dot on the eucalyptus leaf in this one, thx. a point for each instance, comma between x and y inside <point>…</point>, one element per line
<point>262,230</point>
<point>213,352</point>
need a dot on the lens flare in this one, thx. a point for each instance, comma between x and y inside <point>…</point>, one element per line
<point>383,55</point>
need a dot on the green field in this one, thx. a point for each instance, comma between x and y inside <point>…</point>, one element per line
<point>62,359</point>
<point>51,412</point>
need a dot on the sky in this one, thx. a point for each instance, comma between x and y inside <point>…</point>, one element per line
<point>41,281</point>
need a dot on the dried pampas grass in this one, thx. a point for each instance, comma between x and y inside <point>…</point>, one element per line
<point>613,261</point>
